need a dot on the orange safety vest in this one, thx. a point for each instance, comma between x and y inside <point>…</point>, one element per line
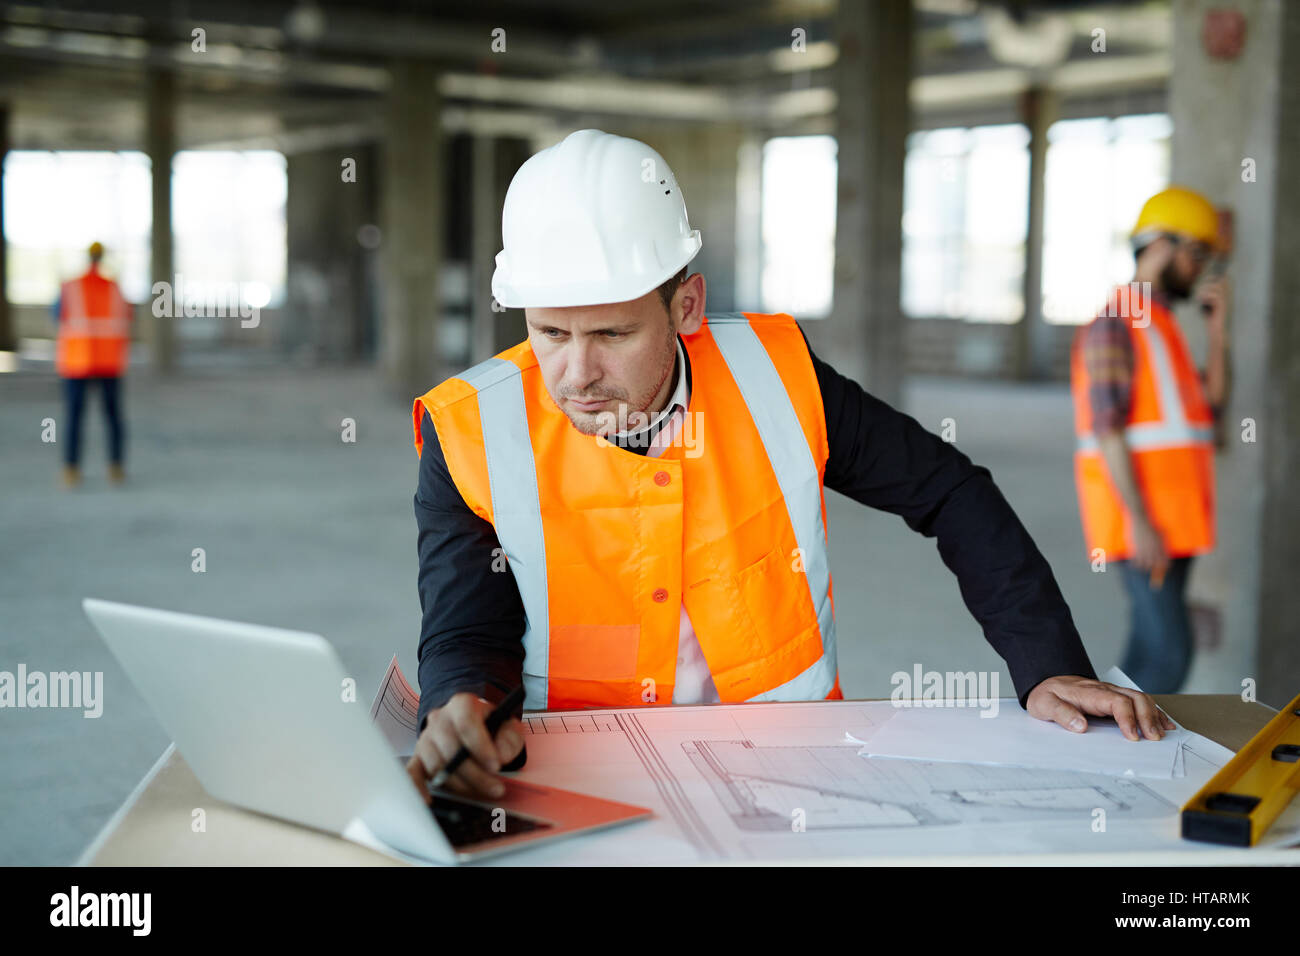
<point>1170,436</point>
<point>607,545</point>
<point>94,328</point>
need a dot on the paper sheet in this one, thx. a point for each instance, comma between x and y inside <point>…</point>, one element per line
<point>1012,738</point>
<point>395,710</point>
<point>1192,742</point>
<point>782,782</point>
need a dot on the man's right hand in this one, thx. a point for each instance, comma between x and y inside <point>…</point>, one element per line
<point>462,721</point>
<point>1149,548</point>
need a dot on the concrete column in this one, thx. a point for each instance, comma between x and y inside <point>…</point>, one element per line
<point>716,149</point>
<point>8,340</point>
<point>509,153</point>
<point>1225,112</point>
<point>413,210</point>
<point>485,243</point>
<point>160,123</point>
<point>328,307</point>
<point>705,161</point>
<point>864,337</point>
<point>749,224</point>
<point>1033,342</point>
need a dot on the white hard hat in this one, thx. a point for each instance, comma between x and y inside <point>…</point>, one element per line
<point>595,218</point>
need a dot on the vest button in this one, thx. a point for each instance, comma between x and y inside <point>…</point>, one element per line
<point>660,595</point>
<point>662,478</point>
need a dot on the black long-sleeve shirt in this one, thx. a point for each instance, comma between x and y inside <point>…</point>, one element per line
<point>471,638</point>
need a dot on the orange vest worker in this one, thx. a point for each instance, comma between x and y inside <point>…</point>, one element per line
<point>94,328</point>
<point>606,546</point>
<point>1170,435</point>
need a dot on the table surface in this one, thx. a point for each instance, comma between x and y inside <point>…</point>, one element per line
<point>144,831</point>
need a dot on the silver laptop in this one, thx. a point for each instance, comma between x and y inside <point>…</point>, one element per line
<point>260,715</point>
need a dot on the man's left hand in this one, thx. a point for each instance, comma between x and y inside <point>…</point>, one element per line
<point>1066,699</point>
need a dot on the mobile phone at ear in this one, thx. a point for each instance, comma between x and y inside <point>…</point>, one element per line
<point>1217,267</point>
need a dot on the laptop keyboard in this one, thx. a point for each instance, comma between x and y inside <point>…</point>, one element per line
<point>467,823</point>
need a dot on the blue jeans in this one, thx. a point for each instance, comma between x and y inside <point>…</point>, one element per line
<point>1159,651</point>
<point>74,390</point>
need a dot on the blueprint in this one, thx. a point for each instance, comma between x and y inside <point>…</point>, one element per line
<point>785,781</point>
<point>394,710</point>
<point>781,781</point>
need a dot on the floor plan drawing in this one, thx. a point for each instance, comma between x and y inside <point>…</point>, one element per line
<point>766,788</point>
<point>781,781</point>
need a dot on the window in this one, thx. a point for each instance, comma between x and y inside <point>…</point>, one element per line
<point>228,221</point>
<point>965,219</point>
<point>1099,173</point>
<point>798,225</point>
<point>57,204</point>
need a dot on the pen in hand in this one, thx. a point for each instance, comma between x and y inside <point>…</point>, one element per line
<point>493,723</point>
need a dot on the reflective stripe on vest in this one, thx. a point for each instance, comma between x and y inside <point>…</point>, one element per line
<point>1173,430</point>
<point>792,461</point>
<point>91,327</point>
<point>516,509</point>
<point>512,477</point>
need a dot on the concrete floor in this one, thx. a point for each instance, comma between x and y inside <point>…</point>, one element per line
<point>304,531</point>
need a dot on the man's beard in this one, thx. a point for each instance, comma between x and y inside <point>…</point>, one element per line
<point>1173,284</point>
<point>626,414</point>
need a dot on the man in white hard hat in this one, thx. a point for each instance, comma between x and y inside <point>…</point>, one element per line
<point>626,509</point>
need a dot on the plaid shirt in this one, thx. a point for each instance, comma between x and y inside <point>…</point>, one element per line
<point>1108,356</point>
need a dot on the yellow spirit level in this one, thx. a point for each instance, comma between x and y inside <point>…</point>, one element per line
<point>1243,799</point>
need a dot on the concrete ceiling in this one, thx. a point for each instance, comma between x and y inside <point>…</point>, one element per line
<point>73,75</point>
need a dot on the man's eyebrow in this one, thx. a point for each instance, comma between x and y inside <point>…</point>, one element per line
<point>544,327</point>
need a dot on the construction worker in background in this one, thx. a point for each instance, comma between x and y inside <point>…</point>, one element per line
<point>94,334</point>
<point>627,508</point>
<point>1145,423</point>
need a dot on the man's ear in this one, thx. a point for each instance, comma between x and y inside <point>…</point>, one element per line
<point>690,298</point>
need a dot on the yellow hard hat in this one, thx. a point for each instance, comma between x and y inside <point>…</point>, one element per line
<point>96,250</point>
<point>1179,210</point>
